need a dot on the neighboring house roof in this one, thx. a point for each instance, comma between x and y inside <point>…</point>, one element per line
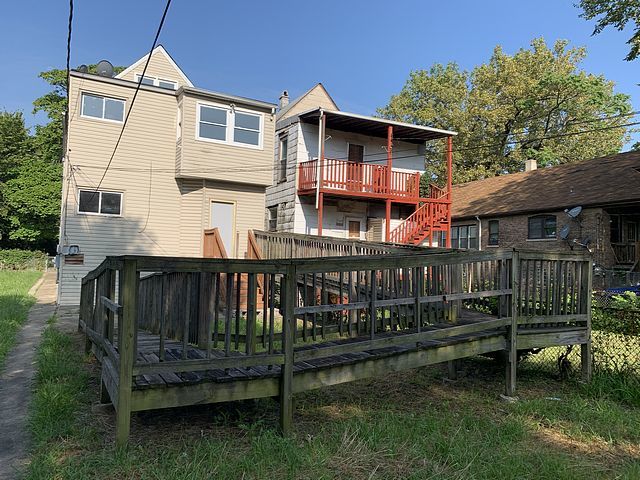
<point>598,182</point>
<point>375,126</point>
<point>323,99</point>
<point>159,49</point>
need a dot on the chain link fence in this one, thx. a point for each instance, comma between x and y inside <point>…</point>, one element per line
<point>615,340</point>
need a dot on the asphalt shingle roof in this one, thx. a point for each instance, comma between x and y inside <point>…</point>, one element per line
<point>601,181</point>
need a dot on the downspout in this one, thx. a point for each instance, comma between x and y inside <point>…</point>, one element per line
<point>479,233</point>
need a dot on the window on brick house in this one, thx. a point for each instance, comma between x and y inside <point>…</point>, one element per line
<point>494,230</point>
<point>464,236</point>
<point>542,227</point>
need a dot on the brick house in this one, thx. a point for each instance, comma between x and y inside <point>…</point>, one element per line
<point>532,210</point>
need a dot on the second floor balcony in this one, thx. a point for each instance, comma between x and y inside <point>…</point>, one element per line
<point>358,179</point>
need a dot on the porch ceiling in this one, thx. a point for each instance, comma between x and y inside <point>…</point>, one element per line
<point>375,127</point>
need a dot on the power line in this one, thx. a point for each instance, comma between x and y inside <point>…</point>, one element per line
<point>67,111</point>
<point>135,94</point>
<point>381,154</point>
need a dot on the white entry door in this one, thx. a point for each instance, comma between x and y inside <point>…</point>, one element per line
<point>223,215</point>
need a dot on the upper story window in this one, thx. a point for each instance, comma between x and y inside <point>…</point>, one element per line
<point>157,82</point>
<point>542,227</point>
<point>104,108</point>
<point>494,231</point>
<point>99,203</point>
<point>219,124</point>
<point>464,236</point>
<point>284,146</point>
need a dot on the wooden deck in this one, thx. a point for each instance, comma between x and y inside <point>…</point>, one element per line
<point>175,331</point>
<point>360,350</point>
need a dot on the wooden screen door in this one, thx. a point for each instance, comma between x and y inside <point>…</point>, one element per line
<point>354,167</point>
<point>354,229</point>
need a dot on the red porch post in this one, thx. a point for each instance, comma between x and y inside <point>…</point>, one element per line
<point>321,128</point>
<point>387,228</point>
<point>449,184</point>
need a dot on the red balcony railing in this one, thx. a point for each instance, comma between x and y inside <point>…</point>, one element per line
<point>358,179</point>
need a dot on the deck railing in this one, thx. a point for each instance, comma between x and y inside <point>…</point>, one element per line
<point>276,245</point>
<point>195,310</point>
<point>359,179</point>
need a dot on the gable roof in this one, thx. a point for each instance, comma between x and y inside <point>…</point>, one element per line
<point>610,180</point>
<point>317,88</point>
<point>159,49</point>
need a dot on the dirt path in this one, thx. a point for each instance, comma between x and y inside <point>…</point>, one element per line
<point>16,381</point>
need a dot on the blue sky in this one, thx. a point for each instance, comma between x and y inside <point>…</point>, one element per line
<point>362,51</point>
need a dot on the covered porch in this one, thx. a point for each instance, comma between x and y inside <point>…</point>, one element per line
<point>373,177</point>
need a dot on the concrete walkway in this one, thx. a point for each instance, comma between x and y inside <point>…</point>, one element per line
<point>16,381</point>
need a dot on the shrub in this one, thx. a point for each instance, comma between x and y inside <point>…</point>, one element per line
<point>16,259</point>
<point>621,316</point>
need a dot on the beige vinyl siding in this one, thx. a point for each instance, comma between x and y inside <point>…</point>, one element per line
<point>159,66</point>
<point>316,97</point>
<point>161,215</point>
<point>249,210</point>
<point>191,224</point>
<point>218,161</point>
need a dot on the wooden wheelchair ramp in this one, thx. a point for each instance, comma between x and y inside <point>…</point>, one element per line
<point>175,331</point>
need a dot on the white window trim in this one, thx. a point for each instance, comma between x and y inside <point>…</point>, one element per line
<point>230,126</point>
<point>102,119</point>
<point>98,213</point>
<point>156,81</point>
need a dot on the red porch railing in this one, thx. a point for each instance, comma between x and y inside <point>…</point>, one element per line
<point>358,179</point>
<point>430,217</point>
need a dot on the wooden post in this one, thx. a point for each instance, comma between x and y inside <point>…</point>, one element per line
<point>288,338</point>
<point>252,290</point>
<point>586,358</point>
<point>127,338</point>
<point>512,330</point>
<point>320,212</point>
<point>449,188</point>
<point>387,227</point>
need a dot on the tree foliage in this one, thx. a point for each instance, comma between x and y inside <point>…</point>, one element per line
<point>617,14</point>
<point>514,107</point>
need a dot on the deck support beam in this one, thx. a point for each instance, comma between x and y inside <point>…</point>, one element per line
<point>126,342</point>
<point>512,330</point>
<point>288,339</point>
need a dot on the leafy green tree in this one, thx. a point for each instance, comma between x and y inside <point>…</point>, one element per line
<point>33,201</point>
<point>617,14</point>
<point>514,107</point>
<point>14,142</point>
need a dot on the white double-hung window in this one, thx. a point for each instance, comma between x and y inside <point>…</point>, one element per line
<point>232,126</point>
<point>103,108</point>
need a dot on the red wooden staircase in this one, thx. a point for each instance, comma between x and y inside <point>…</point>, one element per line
<point>431,217</point>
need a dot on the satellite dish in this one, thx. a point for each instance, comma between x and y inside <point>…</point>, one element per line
<point>564,232</point>
<point>83,69</point>
<point>104,69</point>
<point>574,212</point>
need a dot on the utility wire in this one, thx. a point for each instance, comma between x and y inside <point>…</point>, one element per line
<point>66,114</point>
<point>135,95</point>
<point>274,169</point>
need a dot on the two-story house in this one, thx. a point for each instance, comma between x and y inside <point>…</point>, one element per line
<point>188,160</point>
<point>347,175</point>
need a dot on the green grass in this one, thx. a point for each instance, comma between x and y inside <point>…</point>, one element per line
<point>410,425</point>
<point>14,305</point>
